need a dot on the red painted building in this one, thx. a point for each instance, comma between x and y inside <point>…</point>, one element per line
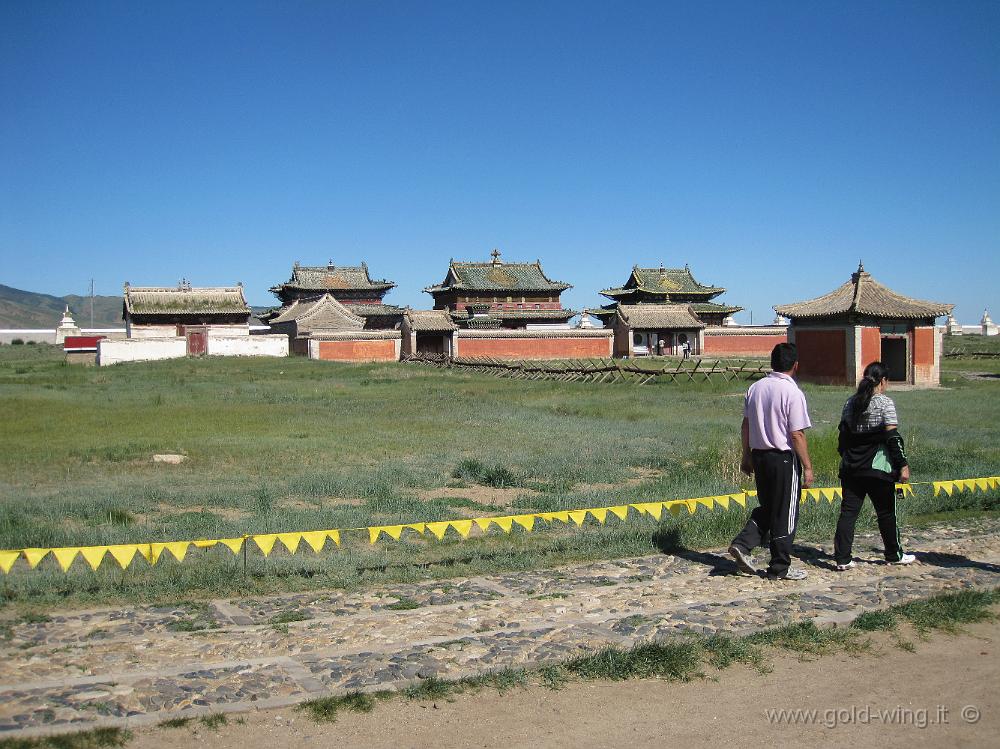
<point>862,321</point>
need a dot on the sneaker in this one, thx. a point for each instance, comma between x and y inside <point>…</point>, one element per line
<point>795,574</point>
<point>848,566</point>
<point>744,563</point>
<point>905,559</point>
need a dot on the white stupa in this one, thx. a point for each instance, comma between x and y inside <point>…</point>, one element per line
<point>67,327</point>
<point>989,327</point>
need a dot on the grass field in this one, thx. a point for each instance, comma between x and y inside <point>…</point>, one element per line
<point>292,444</point>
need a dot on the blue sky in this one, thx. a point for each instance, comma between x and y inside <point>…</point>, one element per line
<point>770,145</point>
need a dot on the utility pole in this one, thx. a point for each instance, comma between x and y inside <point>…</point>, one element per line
<point>92,304</point>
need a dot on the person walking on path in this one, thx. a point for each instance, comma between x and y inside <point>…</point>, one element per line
<point>872,459</point>
<point>775,452</point>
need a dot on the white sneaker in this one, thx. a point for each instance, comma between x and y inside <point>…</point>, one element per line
<point>849,566</point>
<point>905,559</point>
<point>792,574</point>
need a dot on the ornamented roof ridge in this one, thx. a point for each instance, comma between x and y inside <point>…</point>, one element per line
<point>331,277</point>
<point>185,299</point>
<point>863,295</point>
<point>496,275</point>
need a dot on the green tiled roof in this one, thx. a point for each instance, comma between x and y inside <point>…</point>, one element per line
<point>497,276</point>
<point>375,310</point>
<point>185,300</point>
<point>662,281</point>
<point>725,309</point>
<point>522,314</point>
<point>331,277</point>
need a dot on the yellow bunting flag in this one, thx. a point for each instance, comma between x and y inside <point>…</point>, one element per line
<point>600,514</point>
<point>943,486</point>
<point>578,516</point>
<point>418,527</point>
<point>7,559</point>
<point>315,539</point>
<point>233,544</point>
<point>691,505</point>
<point>649,508</point>
<point>707,502</point>
<point>464,527</point>
<point>828,494</point>
<point>94,555</point>
<point>674,507</point>
<point>290,541</point>
<point>982,484</point>
<point>504,523</point>
<point>740,499</point>
<point>65,557</point>
<point>34,556</point>
<point>265,542</point>
<point>525,521</point>
<point>123,553</point>
<point>377,530</point>
<point>438,529</point>
<point>619,511</point>
<point>177,548</point>
<point>562,516</point>
<point>335,536</point>
<point>723,500</point>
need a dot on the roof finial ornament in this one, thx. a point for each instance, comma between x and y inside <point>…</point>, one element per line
<point>330,265</point>
<point>861,267</point>
<point>184,285</point>
<point>496,256</point>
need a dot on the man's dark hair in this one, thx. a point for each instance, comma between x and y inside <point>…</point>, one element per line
<point>783,357</point>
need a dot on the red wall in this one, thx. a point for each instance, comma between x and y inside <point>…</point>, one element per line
<point>871,348</point>
<point>923,356</point>
<point>741,345</point>
<point>535,348</point>
<point>823,356</point>
<point>375,350</point>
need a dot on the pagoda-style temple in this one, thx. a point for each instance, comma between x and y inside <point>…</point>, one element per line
<point>666,286</point>
<point>862,321</point>
<point>499,295</point>
<point>350,285</point>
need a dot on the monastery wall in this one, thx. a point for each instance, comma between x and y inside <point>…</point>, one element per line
<point>257,345</point>
<point>140,349</point>
<point>535,344</point>
<point>357,346</point>
<point>743,341</point>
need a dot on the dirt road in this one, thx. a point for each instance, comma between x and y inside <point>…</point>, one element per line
<point>945,694</point>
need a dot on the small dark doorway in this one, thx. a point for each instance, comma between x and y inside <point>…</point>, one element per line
<point>894,357</point>
<point>430,343</point>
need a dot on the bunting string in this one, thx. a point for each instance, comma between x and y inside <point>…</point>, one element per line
<point>295,541</point>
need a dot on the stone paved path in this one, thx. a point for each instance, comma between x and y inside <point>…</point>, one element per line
<point>146,664</point>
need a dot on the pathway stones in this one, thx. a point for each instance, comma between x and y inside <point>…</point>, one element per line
<point>145,664</point>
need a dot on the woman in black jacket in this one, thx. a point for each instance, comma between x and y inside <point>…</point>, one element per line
<point>873,459</point>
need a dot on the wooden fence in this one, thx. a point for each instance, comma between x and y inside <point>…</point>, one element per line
<point>600,370</point>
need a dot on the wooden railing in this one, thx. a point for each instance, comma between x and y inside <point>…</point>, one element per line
<point>600,370</point>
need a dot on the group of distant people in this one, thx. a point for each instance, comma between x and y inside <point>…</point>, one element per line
<point>775,452</point>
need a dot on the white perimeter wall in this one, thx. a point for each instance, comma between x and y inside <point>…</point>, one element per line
<point>257,345</point>
<point>140,349</point>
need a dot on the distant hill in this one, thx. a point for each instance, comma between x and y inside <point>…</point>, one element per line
<point>28,309</point>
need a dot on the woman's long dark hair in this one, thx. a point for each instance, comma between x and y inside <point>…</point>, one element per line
<point>874,374</point>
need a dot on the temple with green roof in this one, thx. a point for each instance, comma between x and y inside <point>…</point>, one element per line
<point>350,285</point>
<point>497,294</point>
<point>666,286</point>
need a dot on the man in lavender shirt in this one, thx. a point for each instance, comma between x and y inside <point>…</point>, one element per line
<point>775,452</point>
